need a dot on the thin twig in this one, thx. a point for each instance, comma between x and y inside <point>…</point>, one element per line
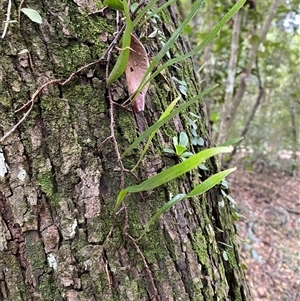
<point>7,19</point>
<point>154,296</point>
<point>19,12</point>
<point>112,126</point>
<point>35,94</point>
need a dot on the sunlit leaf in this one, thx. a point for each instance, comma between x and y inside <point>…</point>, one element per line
<point>114,4</point>
<point>123,58</point>
<point>210,182</point>
<point>179,149</point>
<point>177,170</point>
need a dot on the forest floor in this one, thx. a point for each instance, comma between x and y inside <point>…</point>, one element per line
<point>269,233</point>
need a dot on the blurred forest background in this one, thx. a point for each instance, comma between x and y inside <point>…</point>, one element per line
<point>255,60</point>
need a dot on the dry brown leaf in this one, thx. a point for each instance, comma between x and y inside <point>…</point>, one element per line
<point>136,67</point>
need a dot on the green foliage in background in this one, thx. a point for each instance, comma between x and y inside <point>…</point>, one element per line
<point>275,127</point>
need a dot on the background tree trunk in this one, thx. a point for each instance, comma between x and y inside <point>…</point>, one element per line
<point>58,187</point>
<point>229,112</point>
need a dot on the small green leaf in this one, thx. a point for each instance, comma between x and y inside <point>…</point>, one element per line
<point>243,266</point>
<point>200,141</point>
<point>194,115</point>
<point>183,139</point>
<point>23,51</point>
<point>239,215</point>
<point>169,151</point>
<point>183,90</point>
<point>225,255</point>
<point>231,200</point>
<point>194,141</point>
<point>114,4</point>
<point>224,244</point>
<point>186,155</point>
<point>179,149</point>
<point>221,203</point>
<point>194,132</point>
<point>235,217</point>
<point>223,193</point>
<point>32,14</point>
<point>133,6</point>
<point>203,166</point>
<point>175,141</point>
<point>224,184</point>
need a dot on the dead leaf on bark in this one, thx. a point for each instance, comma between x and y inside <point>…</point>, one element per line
<point>136,67</point>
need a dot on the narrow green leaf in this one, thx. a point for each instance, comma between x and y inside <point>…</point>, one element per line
<point>164,120</point>
<point>224,244</point>
<point>232,142</point>
<point>123,58</point>
<point>195,51</point>
<point>200,189</point>
<point>163,115</point>
<point>177,170</point>
<point>162,210</point>
<point>169,44</point>
<point>114,4</point>
<point>149,16</point>
<point>120,198</point>
<point>230,199</point>
<point>210,182</point>
<point>32,14</point>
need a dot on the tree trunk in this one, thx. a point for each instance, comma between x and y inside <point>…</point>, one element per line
<point>60,238</point>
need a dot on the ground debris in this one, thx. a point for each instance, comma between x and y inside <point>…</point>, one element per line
<point>271,205</point>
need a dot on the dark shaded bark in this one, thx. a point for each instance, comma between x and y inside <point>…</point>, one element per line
<point>58,183</point>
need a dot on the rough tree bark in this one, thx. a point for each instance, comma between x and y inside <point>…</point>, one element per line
<point>58,183</point>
